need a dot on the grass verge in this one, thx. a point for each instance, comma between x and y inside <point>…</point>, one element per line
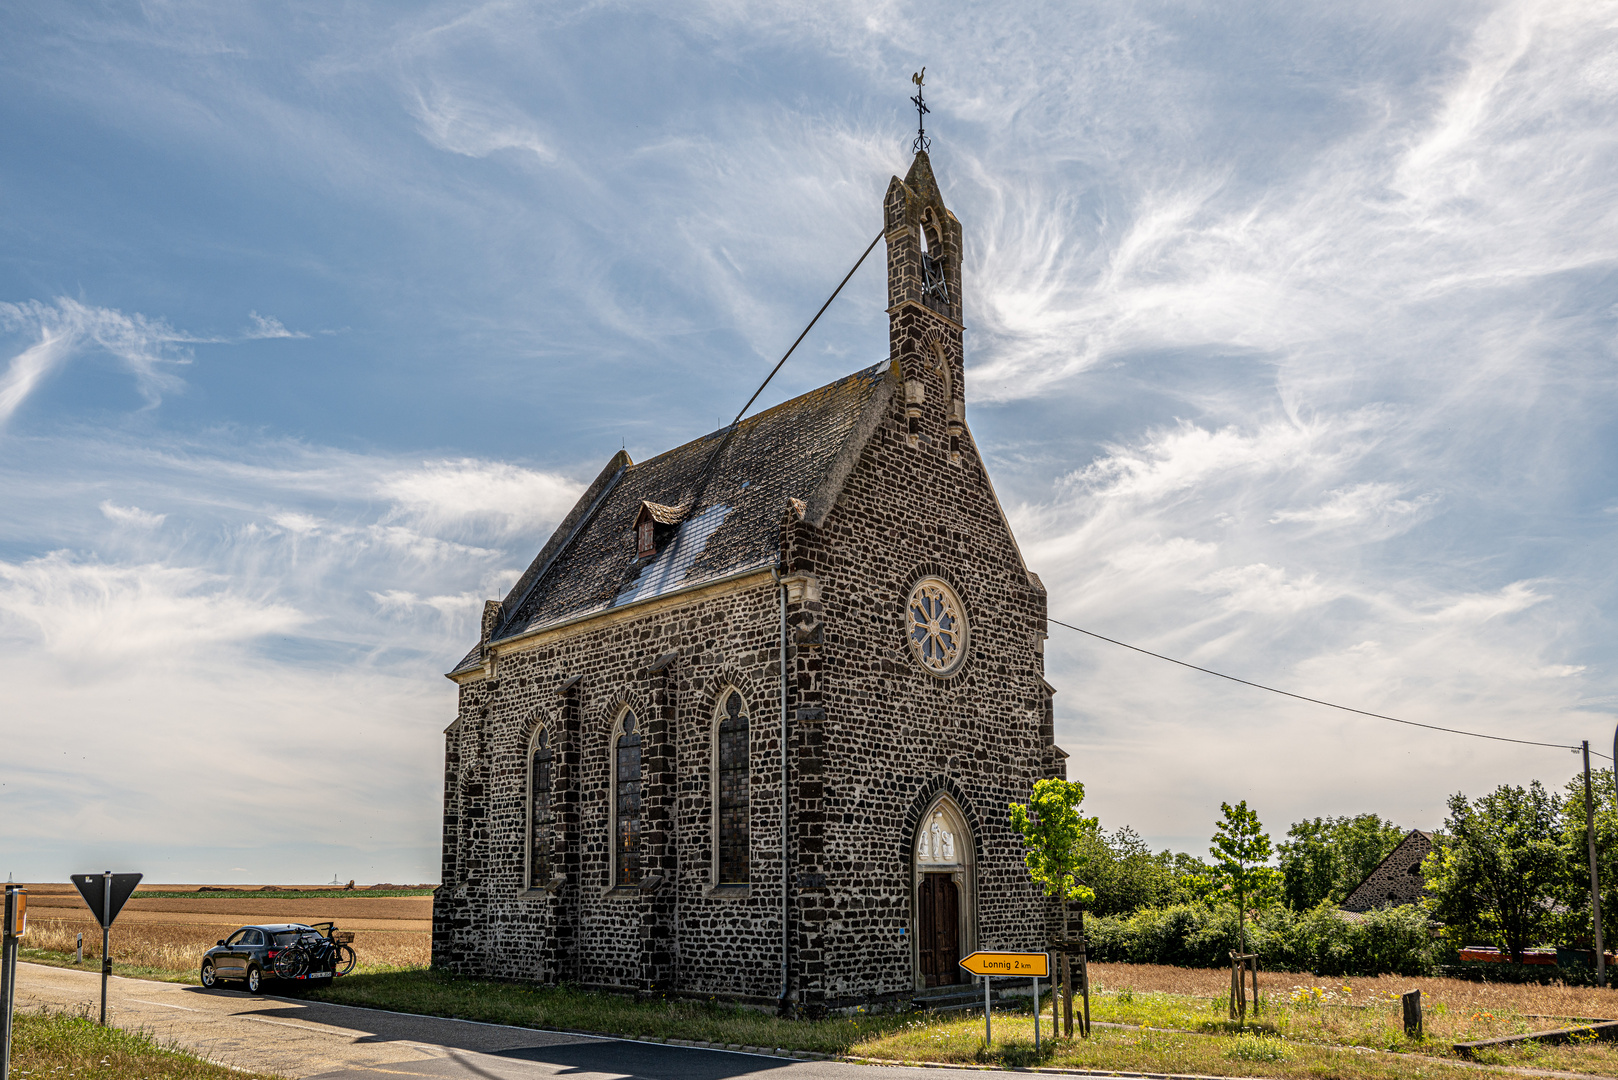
<point>60,1045</point>
<point>435,994</point>
<point>1148,1050</point>
<point>51,958</point>
<point>1357,1043</point>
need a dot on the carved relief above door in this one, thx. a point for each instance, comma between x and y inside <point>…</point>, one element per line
<point>944,879</point>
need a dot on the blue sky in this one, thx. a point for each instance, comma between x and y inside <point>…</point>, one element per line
<point>1291,348</point>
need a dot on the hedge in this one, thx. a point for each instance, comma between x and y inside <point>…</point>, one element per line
<point>1394,940</point>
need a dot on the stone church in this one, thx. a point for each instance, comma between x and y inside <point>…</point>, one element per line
<point>748,726</point>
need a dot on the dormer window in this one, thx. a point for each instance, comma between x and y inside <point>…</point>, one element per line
<point>654,524</point>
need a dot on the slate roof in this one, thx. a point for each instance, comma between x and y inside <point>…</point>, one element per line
<point>802,449</point>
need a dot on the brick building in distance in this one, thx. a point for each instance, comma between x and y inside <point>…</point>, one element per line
<point>823,603</point>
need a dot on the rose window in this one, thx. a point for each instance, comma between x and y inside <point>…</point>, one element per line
<point>937,627</point>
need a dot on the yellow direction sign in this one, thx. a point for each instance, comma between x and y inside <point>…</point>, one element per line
<point>1026,965</point>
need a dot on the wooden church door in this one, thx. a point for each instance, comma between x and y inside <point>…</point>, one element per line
<point>940,930</point>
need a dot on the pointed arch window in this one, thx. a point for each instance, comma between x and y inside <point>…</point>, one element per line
<point>626,792</point>
<point>732,797</point>
<point>934,283</point>
<point>539,810</point>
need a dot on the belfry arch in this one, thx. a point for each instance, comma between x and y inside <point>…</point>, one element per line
<point>943,891</point>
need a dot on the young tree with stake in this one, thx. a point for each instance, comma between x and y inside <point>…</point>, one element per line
<point>1240,849</point>
<point>1051,829</point>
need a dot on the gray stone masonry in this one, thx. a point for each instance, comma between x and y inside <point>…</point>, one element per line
<point>873,737</point>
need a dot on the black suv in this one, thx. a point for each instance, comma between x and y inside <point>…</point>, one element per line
<point>250,955</point>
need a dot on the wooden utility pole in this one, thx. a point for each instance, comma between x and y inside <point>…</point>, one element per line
<point>1595,873</point>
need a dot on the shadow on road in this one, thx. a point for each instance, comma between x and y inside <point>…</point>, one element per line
<point>646,1062</point>
<point>563,1054</point>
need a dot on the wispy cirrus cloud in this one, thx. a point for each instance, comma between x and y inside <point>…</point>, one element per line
<point>148,348</point>
<point>268,326</point>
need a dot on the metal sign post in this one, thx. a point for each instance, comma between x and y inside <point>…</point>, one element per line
<point>1007,965</point>
<point>15,926</point>
<point>105,894</point>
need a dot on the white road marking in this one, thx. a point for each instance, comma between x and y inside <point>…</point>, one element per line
<point>163,1004</point>
<point>351,1036</point>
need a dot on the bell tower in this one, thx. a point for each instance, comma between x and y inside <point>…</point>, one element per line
<point>924,307</point>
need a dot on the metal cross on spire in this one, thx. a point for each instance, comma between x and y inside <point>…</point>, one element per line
<point>922,142</point>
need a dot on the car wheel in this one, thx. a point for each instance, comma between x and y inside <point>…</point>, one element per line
<point>210,977</point>
<point>255,978</point>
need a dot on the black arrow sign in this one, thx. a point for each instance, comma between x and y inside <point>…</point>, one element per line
<point>93,888</point>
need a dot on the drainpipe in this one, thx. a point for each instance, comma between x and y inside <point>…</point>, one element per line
<point>786,870</point>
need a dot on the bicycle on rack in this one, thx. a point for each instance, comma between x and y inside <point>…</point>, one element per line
<point>316,951</point>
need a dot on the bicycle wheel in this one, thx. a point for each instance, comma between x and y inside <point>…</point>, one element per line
<point>292,962</point>
<point>345,960</point>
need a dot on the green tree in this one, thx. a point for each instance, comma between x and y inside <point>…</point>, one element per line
<point>1498,867</point>
<point>1578,855</point>
<point>1052,832</point>
<point>1124,872</point>
<point>1324,859</point>
<point>1195,882</point>
<point>1240,849</point>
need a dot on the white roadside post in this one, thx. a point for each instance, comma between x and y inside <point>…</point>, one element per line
<point>1036,1015</point>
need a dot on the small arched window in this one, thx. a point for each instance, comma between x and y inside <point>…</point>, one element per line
<point>732,792</point>
<point>626,798</point>
<point>934,281</point>
<point>539,810</point>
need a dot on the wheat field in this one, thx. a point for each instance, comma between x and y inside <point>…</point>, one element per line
<point>170,934</point>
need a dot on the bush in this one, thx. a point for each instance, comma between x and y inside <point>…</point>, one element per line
<point>1389,941</point>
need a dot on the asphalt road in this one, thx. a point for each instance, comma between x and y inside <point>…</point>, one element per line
<point>309,1040</point>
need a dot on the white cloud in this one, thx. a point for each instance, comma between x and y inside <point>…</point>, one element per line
<point>145,346</point>
<point>131,515</point>
<point>267,326</point>
<point>87,608</point>
<point>1357,503</point>
<point>507,499</point>
<point>454,122</point>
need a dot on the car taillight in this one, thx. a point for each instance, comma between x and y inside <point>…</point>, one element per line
<point>272,954</point>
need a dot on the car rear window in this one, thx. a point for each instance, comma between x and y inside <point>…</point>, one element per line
<point>283,938</point>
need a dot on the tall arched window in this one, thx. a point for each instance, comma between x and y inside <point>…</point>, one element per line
<point>539,810</point>
<point>626,797</point>
<point>732,792</point>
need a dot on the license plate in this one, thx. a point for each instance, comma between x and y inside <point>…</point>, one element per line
<point>318,975</point>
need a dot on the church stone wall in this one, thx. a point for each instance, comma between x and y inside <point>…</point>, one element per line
<point>873,737</point>
<point>675,936</point>
<point>893,734</point>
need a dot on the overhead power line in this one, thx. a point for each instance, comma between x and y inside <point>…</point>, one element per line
<point>1102,637</point>
<point>1312,700</point>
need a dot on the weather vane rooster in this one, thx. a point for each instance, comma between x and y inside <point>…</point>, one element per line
<point>922,142</point>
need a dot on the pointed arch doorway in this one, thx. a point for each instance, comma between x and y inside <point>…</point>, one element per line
<point>945,895</point>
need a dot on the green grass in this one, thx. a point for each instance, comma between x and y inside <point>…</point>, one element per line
<point>61,1045</point>
<point>278,894</point>
<point>1285,1040</point>
<point>1151,1050</point>
<point>128,971</point>
<point>434,994</point>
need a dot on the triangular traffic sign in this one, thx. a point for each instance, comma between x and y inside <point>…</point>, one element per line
<point>93,888</point>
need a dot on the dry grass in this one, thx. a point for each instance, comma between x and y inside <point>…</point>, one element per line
<point>1456,995</point>
<point>358,910</point>
<point>165,937</point>
<point>1150,1051</point>
<point>177,948</point>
